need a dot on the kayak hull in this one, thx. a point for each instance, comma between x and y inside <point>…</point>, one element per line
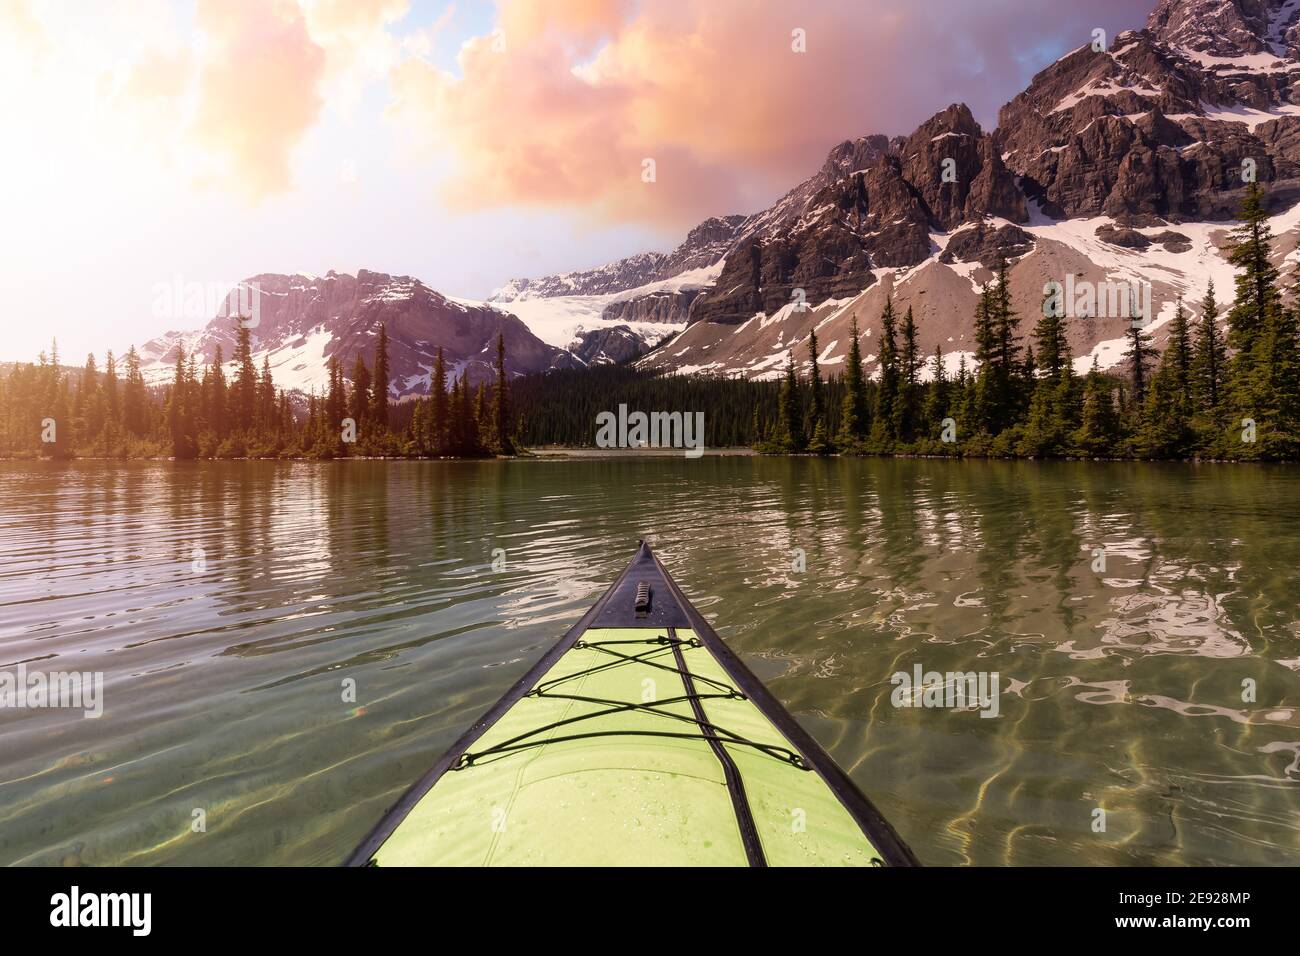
<point>639,739</point>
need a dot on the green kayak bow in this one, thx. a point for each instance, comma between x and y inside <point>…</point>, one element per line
<point>639,739</point>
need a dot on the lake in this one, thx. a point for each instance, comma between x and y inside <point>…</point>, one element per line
<point>1142,621</point>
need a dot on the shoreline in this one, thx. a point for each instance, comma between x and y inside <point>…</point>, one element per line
<point>582,453</point>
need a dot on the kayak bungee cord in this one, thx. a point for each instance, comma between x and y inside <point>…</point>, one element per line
<point>584,762</point>
<point>662,644</point>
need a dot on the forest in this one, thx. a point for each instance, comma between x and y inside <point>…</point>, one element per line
<point>48,411</point>
<point>1211,394</point>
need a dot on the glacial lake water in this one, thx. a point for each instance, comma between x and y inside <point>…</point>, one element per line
<point>1142,621</point>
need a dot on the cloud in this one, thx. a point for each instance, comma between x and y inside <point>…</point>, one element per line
<point>562,102</point>
<point>255,79</point>
<point>358,44</point>
<point>257,89</point>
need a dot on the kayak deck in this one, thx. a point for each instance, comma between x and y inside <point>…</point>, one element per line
<point>640,745</point>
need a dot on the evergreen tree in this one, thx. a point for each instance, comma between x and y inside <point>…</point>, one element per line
<point>935,409</point>
<point>440,405</point>
<point>1165,429</point>
<point>135,397</point>
<point>887,394</point>
<point>855,422</point>
<point>180,416</point>
<point>818,396</point>
<point>792,433</point>
<point>482,418</point>
<point>218,397</point>
<point>907,409</point>
<point>1267,391</point>
<point>505,444</point>
<point>244,391</point>
<point>1257,281</point>
<point>1098,435</point>
<point>267,412</point>
<point>380,383</point>
<point>1140,355</point>
<point>335,398</point>
<point>1049,333</point>
<point>112,400</point>
<point>361,402</point>
<point>1000,385</point>
<point>1209,367</point>
<point>983,398</point>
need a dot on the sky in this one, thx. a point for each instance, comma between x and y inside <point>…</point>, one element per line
<point>162,145</point>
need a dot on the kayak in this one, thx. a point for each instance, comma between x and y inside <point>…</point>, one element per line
<point>639,739</point>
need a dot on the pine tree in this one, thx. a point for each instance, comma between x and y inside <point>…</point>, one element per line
<point>818,415</point>
<point>135,397</point>
<point>267,413</point>
<point>1209,367</point>
<point>791,410</point>
<point>983,398</point>
<point>1257,282</point>
<point>855,422</point>
<point>218,397</point>
<point>112,401</point>
<point>935,409</point>
<point>967,403</point>
<point>907,409</point>
<point>505,444</point>
<point>55,401</point>
<point>998,376</point>
<point>1099,432</point>
<point>1049,333</point>
<point>244,391</point>
<point>361,403</point>
<point>440,407</point>
<point>1140,355</point>
<point>179,412</point>
<point>379,385</point>
<point>1263,333</point>
<point>1180,344</point>
<point>1268,393</point>
<point>335,397</point>
<point>887,394</point>
<point>1165,430</point>
<point>1054,402</point>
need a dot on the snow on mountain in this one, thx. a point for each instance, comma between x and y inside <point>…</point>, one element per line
<point>561,320</point>
<point>304,321</point>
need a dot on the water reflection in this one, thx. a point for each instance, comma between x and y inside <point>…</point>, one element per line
<point>1124,682</point>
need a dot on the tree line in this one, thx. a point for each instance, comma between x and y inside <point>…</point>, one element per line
<point>48,410</point>
<point>1210,395</point>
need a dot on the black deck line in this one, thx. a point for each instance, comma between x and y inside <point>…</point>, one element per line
<point>870,820</point>
<point>731,773</point>
<point>615,608</point>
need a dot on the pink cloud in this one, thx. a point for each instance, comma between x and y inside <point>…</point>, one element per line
<point>564,102</point>
<point>257,88</point>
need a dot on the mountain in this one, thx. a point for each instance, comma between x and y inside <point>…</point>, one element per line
<point>1115,166</point>
<point>1120,165</point>
<point>302,321</point>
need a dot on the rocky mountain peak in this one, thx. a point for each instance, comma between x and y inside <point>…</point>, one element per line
<point>1228,28</point>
